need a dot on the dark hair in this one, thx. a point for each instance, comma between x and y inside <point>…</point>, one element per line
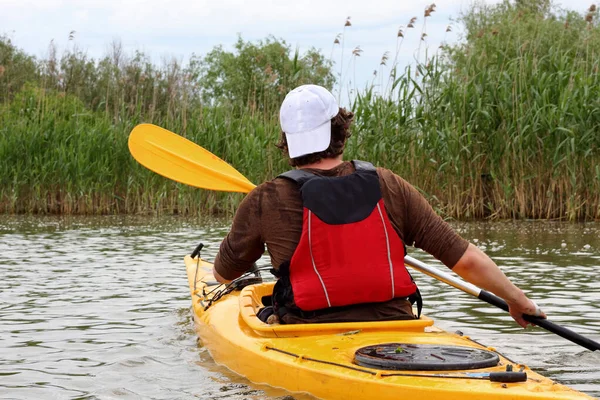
<point>340,132</point>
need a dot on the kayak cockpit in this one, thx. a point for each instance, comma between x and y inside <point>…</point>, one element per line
<point>250,302</point>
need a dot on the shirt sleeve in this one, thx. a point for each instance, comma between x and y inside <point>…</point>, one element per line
<point>244,244</point>
<point>417,223</point>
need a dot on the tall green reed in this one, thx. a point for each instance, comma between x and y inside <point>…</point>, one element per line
<point>64,123</point>
<point>504,124</point>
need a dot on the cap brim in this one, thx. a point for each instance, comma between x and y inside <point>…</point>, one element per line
<point>313,141</point>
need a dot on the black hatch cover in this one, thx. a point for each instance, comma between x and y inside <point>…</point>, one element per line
<point>424,357</point>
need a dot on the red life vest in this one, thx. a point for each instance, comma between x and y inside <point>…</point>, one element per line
<point>348,253</point>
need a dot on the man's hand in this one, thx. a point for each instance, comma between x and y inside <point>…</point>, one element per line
<point>524,305</point>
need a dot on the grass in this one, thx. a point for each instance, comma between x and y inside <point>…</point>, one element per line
<point>504,124</point>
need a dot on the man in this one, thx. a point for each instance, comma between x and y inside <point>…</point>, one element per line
<point>330,225</point>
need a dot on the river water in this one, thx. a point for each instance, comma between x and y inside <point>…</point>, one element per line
<point>99,308</point>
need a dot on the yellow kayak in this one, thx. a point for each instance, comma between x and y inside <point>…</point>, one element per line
<point>365,360</point>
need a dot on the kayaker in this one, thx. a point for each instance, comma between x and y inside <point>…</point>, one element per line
<point>339,243</point>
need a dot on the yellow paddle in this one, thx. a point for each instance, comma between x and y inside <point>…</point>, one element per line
<point>177,158</point>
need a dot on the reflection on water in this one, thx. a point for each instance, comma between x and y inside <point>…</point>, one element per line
<point>99,307</point>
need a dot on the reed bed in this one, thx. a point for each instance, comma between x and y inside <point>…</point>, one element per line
<point>504,124</point>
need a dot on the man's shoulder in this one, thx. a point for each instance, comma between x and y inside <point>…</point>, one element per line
<point>268,197</point>
<point>271,186</point>
<point>389,176</point>
<point>393,184</point>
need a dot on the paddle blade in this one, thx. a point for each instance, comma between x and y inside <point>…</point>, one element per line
<point>177,158</point>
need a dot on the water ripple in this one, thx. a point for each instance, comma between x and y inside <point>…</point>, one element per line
<point>98,308</point>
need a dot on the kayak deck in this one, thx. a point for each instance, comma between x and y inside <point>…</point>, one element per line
<point>319,358</point>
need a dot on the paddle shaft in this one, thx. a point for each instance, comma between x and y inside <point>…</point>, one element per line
<point>498,302</point>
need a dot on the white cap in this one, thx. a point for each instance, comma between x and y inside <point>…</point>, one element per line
<point>305,117</point>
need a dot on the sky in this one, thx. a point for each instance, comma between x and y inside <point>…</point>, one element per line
<point>178,28</point>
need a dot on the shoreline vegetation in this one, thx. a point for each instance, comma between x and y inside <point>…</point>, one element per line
<point>504,124</point>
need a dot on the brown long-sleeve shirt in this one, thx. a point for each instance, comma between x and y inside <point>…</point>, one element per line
<point>271,214</point>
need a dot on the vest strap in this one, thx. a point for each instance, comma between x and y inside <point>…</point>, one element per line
<point>363,165</point>
<point>297,175</point>
<point>301,176</point>
<point>417,298</point>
